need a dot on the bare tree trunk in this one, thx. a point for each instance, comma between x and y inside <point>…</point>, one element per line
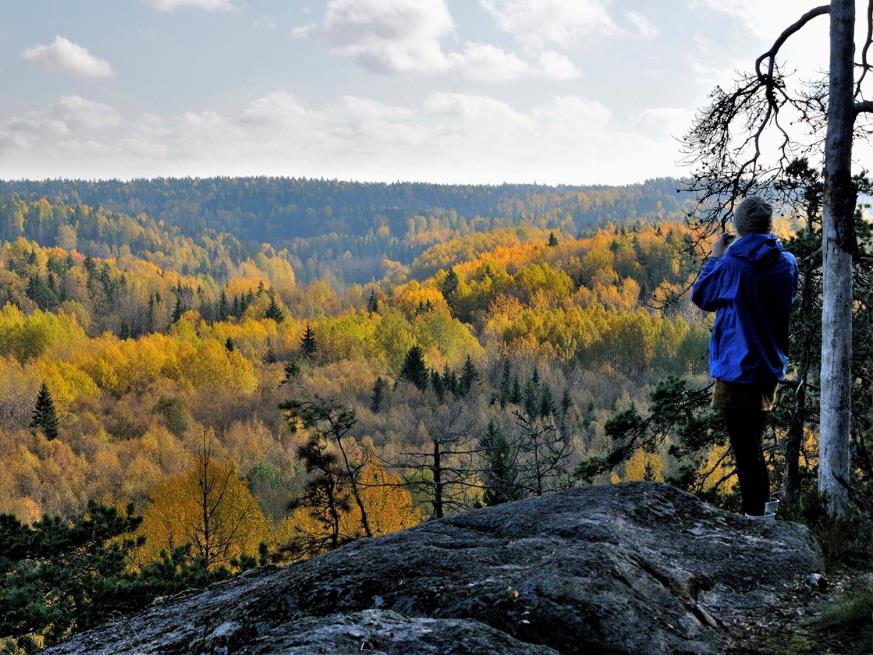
<point>837,246</point>
<point>438,511</point>
<point>794,440</point>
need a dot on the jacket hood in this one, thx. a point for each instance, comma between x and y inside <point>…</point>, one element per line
<point>756,248</point>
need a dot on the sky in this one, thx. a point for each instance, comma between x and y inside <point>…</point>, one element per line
<point>449,91</point>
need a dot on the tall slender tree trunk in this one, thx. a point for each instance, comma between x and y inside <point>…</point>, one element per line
<point>837,246</point>
<point>794,441</point>
<point>438,511</point>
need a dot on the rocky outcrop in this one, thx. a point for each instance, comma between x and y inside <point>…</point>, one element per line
<point>639,568</point>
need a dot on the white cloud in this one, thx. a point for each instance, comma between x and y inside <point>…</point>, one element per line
<point>387,36</point>
<point>487,63</point>
<point>674,120</point>
<point>66,117</point>
<point>405,36</point>
<point>274,108</point>
<point>556,66</point>
<point>644,27</point>
<point>78,113</point>
<point>763,18</point>
<point>558,22</point>
<point>208,5</point>
<point>446,137</point>
<point>63,54</point>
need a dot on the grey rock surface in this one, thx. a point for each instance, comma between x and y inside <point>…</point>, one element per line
<point>637,568</point>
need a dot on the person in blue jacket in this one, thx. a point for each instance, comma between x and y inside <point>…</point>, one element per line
<point>750,284</point>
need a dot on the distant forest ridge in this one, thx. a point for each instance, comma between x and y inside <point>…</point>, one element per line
<point>348,230</point>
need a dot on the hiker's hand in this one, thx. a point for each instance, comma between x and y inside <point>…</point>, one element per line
<point>721,244</point>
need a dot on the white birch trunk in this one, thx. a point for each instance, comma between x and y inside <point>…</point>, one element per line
<point>839,206</point>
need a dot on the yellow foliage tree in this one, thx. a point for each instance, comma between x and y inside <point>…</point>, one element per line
<point>207,507</point>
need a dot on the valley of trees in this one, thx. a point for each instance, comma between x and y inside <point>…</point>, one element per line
<point>201,408</point>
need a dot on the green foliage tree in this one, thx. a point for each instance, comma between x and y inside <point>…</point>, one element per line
<point>223,309</point>
<point>373,303</point>
<point>62,576</point>
<point>333,483</point>
<point>45,417</point>
<point>500,473</point>
<point>308,344</point>
<point>274,311</point>
<point>469,377</point>
<point>415,369</point>
<point>377,397</point>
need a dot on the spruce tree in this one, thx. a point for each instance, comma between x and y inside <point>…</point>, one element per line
<point>500,471</point>
<point>229,344</point>
<point>44,416</point>
<point>223,309</point>
<point>436,381</point>
<point>180,307</point>
<point>273,310</point>
<point>553,240</point>
<point>378,395</point>
<point>415,368</point>
<point>449,284</point>
<point>505,383</point>
<point>469,376</point>
<point>308,344</point>
<point>515,394</point>
<point>531,398</point>
<point>450,380</point>
<point>373,303</point>
<point>547,403</point>
<point>292,370</point>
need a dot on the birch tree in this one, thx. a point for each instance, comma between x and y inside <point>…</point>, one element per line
<point>743,142</point>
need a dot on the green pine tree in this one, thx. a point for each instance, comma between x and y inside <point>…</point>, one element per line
<point>500,472</point>
<point>373,302</point>
<point>515,394</point>
<point>377,397</point>
<point>292,370</point>
<point>436,381</point>
<point>547,403</point>
<point>273,310</point>
<point>44,416</point>
<point>553,240</point>
<point>449,284</point>
<point>415,368</point>
<point>450,380</point>
<point>505,383</point>
<point>308,344</point>
<point>469,376</point>
<point>531,397</point>
<point>223,310</point>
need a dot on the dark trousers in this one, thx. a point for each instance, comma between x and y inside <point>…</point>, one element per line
<point>745,428</point>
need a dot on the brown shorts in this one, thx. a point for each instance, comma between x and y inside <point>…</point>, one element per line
<point>733,395</point>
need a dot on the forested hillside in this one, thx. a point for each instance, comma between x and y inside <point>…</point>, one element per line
<point>154,338</point>
<point>344,231</point>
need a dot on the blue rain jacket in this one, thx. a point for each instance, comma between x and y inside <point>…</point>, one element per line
<point>750,289</point>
